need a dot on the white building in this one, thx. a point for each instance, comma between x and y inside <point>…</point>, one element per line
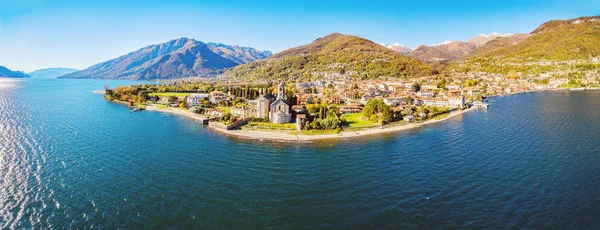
<point>441,102</point>
<point>195,98</point>
<point>456,102</point>
<point>453,87</point>
<point>425,93</point>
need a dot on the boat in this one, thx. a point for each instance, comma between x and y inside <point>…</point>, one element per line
<point>577,89</point>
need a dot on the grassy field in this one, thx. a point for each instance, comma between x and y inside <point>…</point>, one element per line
<point>158,106</point>
<point>169,94</point>
<point>269,126</point>
<point>317,132</point>
<point>355,120</point>
<point>225,109</point>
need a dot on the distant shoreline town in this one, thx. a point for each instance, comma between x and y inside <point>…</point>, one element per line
<point>334,108</point>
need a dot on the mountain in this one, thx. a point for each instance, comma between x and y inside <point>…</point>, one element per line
<point>557,40</point>
<point>5,72</point>
<point>398,48</point>
<point>481,39</point>
<point>444,52</point>
<point>333,55</point>
<point>238,54</point>
<point>497,43</point>
<point>178,58</point>
<point>51,72</point>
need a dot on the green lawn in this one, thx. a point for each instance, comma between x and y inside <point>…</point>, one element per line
<point>269,125</point>
<point>169,94</point>
<point>355,120</point>
<point>225,109</point>
<point>160,106</point>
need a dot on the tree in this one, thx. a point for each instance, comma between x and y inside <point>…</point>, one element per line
<point>416,86</point>
<point>173,99</point>
<point>407,111</point>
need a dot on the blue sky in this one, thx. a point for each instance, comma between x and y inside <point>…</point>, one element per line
<point>45,33</point>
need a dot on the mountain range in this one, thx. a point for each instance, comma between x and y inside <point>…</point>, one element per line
<point>449,51</point>
<point>340,54</point>
<point>557,40</point>
<point>178,58</point>
<point>51,72</point>
<point>334,54</point>
<point>5,72</point>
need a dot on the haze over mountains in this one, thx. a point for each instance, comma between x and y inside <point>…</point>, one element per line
<point>5,72</point>
<point>349,55</point>
<point>178,58</point>
<point>51,72</point>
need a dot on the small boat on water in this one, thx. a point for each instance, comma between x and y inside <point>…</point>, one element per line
<point>577,89</point>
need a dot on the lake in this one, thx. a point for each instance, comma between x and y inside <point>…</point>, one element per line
<point>70,159</point>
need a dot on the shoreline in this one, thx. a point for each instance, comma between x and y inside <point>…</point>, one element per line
<point>193,116</point>
<point>284,136</point>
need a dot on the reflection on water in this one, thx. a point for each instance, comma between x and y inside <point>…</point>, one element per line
<point>69,159</point>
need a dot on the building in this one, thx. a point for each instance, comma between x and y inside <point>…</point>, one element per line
<point>453,87</point>
<point>350,109</point>
<point>298,109</point>
<point>456,102</point>
<point>216,96</point>
<point>429,87</point>
<point>215,112</point>
<point>300,121</point>
<point>280,109</point>
<point>394,101</point>
<point>441,102</point>
<point>425,93</point>
<point>454,93</point>
<point>350,95</point>
<point>195,99</point>
<point>409,118</point>
<point>261,105</point>
<point>335,99</point>
<point>240,111</point>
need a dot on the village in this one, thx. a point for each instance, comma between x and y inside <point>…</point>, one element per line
<point>339,102</point>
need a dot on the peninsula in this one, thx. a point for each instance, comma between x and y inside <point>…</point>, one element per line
<point>344,86</point>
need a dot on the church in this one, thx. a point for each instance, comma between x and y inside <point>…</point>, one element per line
<point>280,109</point>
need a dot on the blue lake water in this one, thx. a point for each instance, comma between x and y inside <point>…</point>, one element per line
<point>69,159</point>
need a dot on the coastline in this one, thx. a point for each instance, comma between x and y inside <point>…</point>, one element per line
<point>285,136</point>
<point>196,117</point>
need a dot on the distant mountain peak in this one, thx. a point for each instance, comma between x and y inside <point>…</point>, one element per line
<point>51,72</point>
<point>5,72</point>
<point>443,43</point>
<point>178,58</point>
<point>495,35</point>
<point>402,49</point>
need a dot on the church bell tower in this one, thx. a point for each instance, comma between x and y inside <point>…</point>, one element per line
<point>281,92</point>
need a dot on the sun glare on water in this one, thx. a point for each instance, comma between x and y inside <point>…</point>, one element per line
<point>7,83</point>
